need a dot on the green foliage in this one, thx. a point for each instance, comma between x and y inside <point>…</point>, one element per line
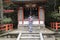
<point>52,17</point>
<point>6,20</point>
<point>11,6</point>
<point>55,16</point>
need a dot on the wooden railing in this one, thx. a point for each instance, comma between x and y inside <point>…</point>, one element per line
<point>55,25</point>
<point>6,27</point>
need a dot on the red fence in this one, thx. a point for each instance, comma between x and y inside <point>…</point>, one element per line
<point>6,27</point>
<point>55,25</point>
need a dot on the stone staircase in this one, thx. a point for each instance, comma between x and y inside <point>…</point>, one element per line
<point>29,36</point>
<point>34,35</point>
<point>24,36</point>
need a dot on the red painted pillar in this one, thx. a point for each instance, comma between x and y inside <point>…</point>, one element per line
<point>56,26</point>
<point>18,15</point>
<point>41,16</point>
<point>23,16</point>
<point>38,15</point>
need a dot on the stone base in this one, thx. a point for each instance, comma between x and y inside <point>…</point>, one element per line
<point>42,26</point>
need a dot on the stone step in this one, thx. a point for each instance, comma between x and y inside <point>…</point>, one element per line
<point>30,36</point>
<point>49,37</point>
<point>7,38</point>
<point>27,28</point>
<point>30,39</point>
<point>34,25</point>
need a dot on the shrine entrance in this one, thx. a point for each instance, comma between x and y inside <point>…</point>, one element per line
<point>35,10</point>
<point>32,11</point>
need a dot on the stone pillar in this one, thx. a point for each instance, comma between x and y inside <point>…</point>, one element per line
<point>41,16</point>
<point>20,16</point>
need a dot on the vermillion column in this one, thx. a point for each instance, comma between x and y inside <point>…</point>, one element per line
<point>20,16</point>
<point>41,16</point>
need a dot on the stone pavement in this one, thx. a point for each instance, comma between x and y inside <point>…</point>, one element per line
<point>35,30</point>
<point>7,38</point>
<point>30,35</point>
